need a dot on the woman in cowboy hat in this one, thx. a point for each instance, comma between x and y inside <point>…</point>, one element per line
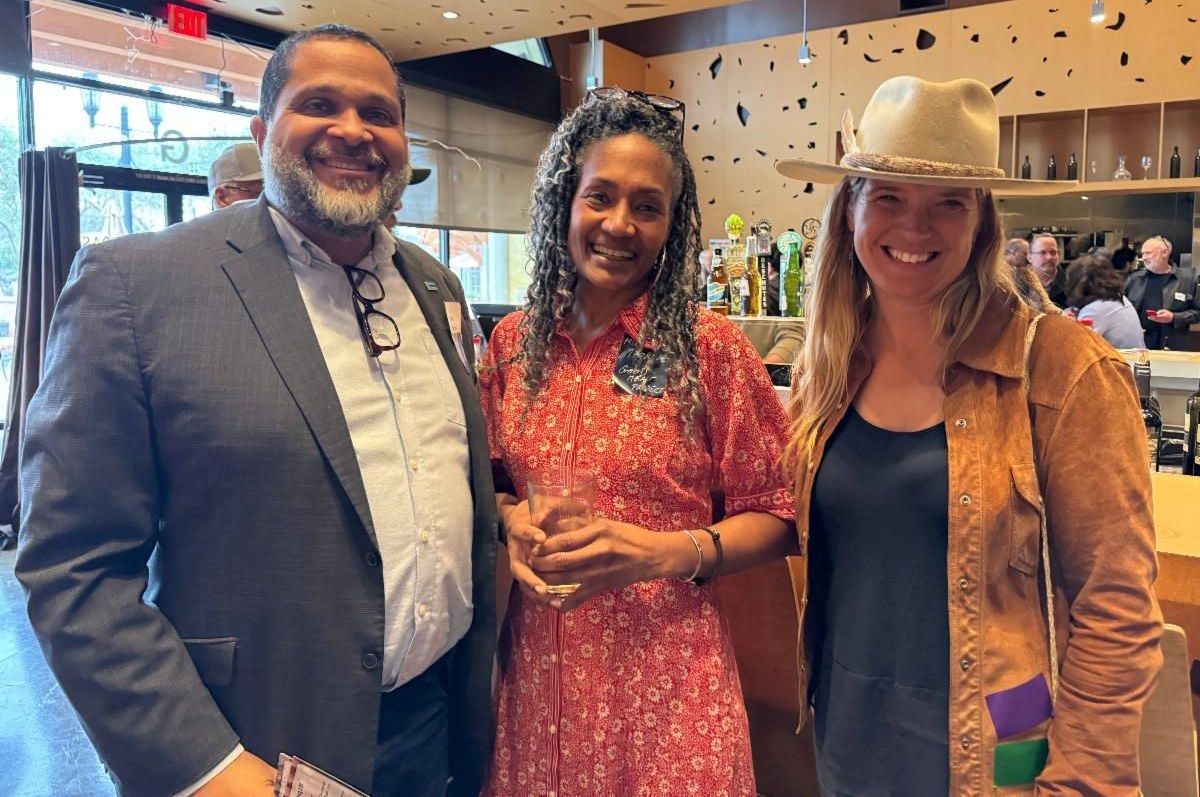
<point>968,481</point>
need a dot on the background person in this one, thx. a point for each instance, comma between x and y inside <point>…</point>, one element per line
<point>1094,291</point>
<point>610,683</point>
<point>1044,257</point>
<point>1165,296</point>
<point>235,176</point>
<point>258,508</point>
<point>1029,285</point>
<point>920,484</point>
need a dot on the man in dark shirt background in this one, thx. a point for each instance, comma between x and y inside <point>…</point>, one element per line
<point>1165,297</point>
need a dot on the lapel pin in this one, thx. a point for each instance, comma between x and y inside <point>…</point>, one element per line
<point>431,286</point>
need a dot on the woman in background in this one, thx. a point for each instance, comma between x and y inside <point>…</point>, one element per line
<point>1096,291</point>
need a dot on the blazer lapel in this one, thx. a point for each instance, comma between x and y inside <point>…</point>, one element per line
<point>264,281</point>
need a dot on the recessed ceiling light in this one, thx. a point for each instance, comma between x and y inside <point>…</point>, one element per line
<point>450,14</point>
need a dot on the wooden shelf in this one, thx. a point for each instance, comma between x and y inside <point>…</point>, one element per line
<point>1183,185</point>
<point>1038,136</point>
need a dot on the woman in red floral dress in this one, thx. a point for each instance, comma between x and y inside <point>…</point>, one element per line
<point>628,686</point>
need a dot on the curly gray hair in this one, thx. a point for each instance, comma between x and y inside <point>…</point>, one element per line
<point>670,319</point>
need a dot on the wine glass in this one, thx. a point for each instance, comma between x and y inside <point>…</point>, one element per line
<point>1147,162</point>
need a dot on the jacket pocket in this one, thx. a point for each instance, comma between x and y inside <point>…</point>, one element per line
<point>1025,519</point>
<point>213,658</point>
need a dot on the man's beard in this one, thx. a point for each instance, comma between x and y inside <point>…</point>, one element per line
<point>293,188</point>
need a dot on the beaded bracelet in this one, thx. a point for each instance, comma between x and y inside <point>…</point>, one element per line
<point>716,538</point>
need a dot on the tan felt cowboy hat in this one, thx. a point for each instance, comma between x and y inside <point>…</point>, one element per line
<point>914,131</point>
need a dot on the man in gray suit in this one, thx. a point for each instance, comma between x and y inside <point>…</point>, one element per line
<point>258,509</point>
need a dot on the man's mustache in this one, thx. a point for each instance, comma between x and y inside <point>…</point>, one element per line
<point>363,152</point>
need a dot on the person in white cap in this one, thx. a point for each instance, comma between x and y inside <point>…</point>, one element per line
<point>235,176</point>
<point>952,517</point>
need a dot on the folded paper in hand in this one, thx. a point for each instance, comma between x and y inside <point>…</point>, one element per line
<point>295,777</point>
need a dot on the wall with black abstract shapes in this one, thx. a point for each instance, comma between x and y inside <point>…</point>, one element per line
<point>751,103</point>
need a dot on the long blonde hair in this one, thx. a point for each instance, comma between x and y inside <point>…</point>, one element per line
<point>839,309</point>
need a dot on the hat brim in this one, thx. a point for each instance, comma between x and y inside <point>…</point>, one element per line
<point>827,174</point>
<point>419,175</point>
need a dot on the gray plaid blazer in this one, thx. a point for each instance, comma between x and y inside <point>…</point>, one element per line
<point>197,546</point>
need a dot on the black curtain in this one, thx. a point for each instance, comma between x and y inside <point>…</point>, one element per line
<point>49,241</point>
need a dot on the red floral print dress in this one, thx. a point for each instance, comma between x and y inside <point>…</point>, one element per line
<point>636,691</point>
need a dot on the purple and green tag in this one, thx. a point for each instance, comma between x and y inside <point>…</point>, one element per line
<point>1020,708</point>
<point>1019,763</point>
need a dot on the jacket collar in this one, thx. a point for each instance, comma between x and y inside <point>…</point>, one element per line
<point>997,344</point>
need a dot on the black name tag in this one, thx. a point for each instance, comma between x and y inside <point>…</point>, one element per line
<point>628,374</point>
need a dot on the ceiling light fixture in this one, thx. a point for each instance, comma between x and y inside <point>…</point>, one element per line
<point>1098,11</point>
<point>450,14</point>
<point>805,54</point>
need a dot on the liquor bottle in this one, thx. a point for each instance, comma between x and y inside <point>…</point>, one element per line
<point>1026,169</point>
<point>1196,165</point>
<point>1072,168</point>
<point>718,285</point>
<point>756,306</point>
<point>765,261</point>
<point>1191,422</point>
<point>1051,169</point>
<point>1175,163</point>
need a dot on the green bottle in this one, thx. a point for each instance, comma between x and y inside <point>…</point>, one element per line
<point>791,298</point>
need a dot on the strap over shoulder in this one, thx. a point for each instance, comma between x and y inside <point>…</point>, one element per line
<point>1052,647</point>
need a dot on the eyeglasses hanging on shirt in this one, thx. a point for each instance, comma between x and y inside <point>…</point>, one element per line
<point>379,330</point>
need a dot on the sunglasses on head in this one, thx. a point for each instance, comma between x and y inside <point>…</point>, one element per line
<point>658,102</point>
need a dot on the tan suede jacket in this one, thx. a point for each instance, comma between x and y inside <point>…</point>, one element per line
<point>1088,461</point>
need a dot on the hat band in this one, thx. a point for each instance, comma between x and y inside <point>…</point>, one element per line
<point>899,164</point>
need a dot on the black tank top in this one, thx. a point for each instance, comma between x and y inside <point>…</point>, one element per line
<point>878,601</point>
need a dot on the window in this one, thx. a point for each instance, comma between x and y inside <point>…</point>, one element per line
<point>428,238</point>
<point>10,229</point>
<point>71,116</point>
<point>105,214</point>
<point>529,49</point>
<point>492,266</point>
<point>132,50</point>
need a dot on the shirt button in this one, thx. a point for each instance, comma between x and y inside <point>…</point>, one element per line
<point>963,584</point>
<point>578,379</point>
<point>569,445</point>
<point>961,423</point>
<point>553,729</point>
<point>425,537</point>
<point>372,558</point>
<point>370,661</point>
<point>554,658</point>
<point>422,610</point>
<point>965,663</point>
<point>412,463</point>
<point>965,741</point>
<point>964,499</point>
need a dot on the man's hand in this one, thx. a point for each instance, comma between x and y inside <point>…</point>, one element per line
<point>1163,316</point>
<point>247,776</point>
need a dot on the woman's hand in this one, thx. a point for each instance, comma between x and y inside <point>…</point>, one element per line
<point>606,555</point>
<point>521,536</point>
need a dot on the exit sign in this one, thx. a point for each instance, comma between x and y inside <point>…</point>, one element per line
<point>187,21</point>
